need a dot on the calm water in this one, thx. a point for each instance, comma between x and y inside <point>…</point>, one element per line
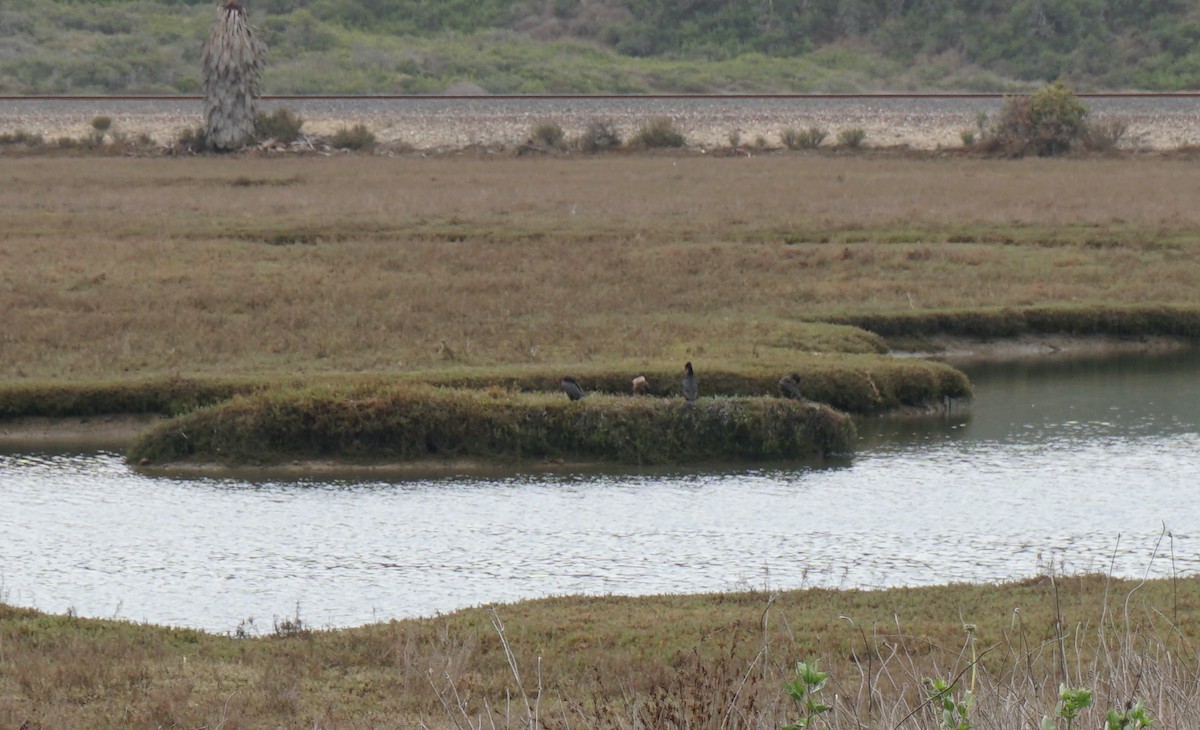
<point>1068,465</point>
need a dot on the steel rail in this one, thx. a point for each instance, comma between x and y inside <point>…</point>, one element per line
<point>574,97</point>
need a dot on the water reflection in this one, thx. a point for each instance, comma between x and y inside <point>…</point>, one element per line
<point>1047,467</point>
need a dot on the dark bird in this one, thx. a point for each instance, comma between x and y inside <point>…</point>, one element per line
<point>691,389</point>
<point>789,385</point>
<point>640,385</point>
<point>572,388</point>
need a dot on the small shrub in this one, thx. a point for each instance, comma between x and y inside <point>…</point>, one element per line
<point>803,139</point>
<point>282,125</point>
<point>357,137</point>
<point>968,137</point>
<point>102,124</point>
<point>735,139</point>
<point>852,137</point>
<point>600,135</point>
<point>193,140</point>
<point>660,132</point>
<point>548,135</point>
<point>1105,135</point>
<point>66,143</point>
<point>21,137</point>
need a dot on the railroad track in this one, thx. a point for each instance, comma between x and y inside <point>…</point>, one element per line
<point>443,122</point>
<point>554,97</point>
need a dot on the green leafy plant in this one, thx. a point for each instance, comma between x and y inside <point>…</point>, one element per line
<point>804,691</point>
<point>1070,703</point>
<point>1133,717</point>
<point>955,713</point>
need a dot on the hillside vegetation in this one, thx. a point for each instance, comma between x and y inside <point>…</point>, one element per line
<point>624,46</point>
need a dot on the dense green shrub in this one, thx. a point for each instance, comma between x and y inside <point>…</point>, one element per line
<point>282,125</point>
<point>659,132</point>
<point>1048,122</point>
<point>357,137</point>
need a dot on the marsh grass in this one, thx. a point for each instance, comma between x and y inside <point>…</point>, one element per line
<point>132,268</point>
<point>635,663</point>
<point>416,423</point>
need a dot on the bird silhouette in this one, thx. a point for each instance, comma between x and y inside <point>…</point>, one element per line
<point>572,388</point>
<point>691,389</point>
<point>789,385</point>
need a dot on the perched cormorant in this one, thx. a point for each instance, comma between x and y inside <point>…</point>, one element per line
<point>789,385</point>
<point>571,387</point>
<point>691,389</point>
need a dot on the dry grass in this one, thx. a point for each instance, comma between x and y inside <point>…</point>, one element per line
<point>654,662</point>
<point>139,267</point>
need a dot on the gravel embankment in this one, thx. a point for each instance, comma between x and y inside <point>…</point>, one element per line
<point>441,124</point>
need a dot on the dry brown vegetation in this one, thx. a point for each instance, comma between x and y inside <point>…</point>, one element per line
<point>654,662</point>
<point>111,268</point>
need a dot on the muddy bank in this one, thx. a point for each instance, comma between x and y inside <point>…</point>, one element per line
<point>115,431</point>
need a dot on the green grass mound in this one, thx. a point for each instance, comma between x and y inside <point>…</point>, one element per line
<point>410,423</point>
<point>168,396</point>
<point>1143,321</point>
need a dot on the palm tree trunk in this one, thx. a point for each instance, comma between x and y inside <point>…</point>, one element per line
<point>232,60</point>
